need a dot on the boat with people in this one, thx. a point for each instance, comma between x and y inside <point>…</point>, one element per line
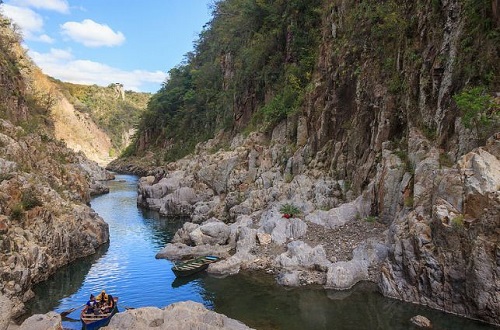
<point>98,311</point>
<point>192,266</point>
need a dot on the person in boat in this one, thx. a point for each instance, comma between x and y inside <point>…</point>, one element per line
<point>91,305</point>
<point>108,307</point>
<point>102,298</point>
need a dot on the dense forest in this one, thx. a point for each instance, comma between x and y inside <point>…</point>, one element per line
<point>259,62</point>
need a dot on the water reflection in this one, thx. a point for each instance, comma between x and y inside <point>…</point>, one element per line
<point>64,283</point>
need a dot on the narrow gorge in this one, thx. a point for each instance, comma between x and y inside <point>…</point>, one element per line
<point>376,123</point>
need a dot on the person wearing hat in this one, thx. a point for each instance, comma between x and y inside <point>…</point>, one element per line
<point>102,297</point>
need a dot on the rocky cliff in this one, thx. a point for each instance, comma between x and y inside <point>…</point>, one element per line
<point>397,126</point>
<point>45,187</point>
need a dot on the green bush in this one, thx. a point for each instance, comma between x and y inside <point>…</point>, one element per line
<point>17,212</point>
<point>371,218</point>
<point>30,200</point>
<point>458,221</point>
<point>477,108</point>
<point>289,209</point>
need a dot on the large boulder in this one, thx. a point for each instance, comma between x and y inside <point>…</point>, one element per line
<point>281,229</point>
<point>180,316</point>
<point>211,232</point>
<point>49,321</point>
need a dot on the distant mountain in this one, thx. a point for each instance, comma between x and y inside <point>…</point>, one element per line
<point>99,121</point>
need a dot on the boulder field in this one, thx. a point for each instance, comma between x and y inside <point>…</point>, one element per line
<point>425,230</point>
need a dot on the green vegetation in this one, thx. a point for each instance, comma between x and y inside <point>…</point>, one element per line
<point>445,160</point>
<point>17,212</point>
<point>408,201</point>
<point>371,219</point>
<point>30,200</point>
<point>289,210</point>
<point>251,64</point>
<point>477,108</point>
<point>458,221</point>
<point>116,116</point>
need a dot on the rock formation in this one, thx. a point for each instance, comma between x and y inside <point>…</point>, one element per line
<point>179,316</point>
<point>44,220</point>
<point>439,249</point>
<point>379,141</point>
<point>445,251</point>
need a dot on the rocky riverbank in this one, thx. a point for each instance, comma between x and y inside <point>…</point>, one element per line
<point>180,316</point>
<point>423,229</point>
<point>45,220</point>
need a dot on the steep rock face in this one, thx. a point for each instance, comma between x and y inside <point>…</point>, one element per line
<point>379,137</point>
<point>367,94</point>
<point>44,222</point>
<point>445,251</point>
<point>45,188</point>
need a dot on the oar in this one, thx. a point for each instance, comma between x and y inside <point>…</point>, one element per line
<point>69,311</point>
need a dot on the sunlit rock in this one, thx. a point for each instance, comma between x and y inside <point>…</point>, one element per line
<point>180,316</point>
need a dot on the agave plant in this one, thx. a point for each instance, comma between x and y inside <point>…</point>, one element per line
<point>289,210</point>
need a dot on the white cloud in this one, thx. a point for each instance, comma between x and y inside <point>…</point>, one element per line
<point>60,6</point>
<point>60,64</point>
<point>30,22</point>
<point>45,38</point>
<point>92,34</point>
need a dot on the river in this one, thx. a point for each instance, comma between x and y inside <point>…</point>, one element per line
<point>127,268</point>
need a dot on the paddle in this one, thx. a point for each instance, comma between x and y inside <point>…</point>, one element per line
<point>69,311</point>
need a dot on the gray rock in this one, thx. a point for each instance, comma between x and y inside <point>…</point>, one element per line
<point>442,252</point>
<point>180,316</point>
<point>6,307</point>
<point>338,216</point>
<point>226,267</point>
<point>421,321</point>
<point>177,251</point>
<point>345,274</point>
<point>212,233</point>
<point>282,229</point>
<point>49,321</point>
<point>299,255</point>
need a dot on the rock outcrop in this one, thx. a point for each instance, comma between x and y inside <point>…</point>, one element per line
<point>445,251</point>
<point>180,316</point>
<point>44,220</point>
<point>378,137</point>
<point>234,210</point>
<point>49,321</point>
<point>441,221</point>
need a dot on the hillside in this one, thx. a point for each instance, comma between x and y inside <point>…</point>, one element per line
<point>100,121</point>
<point>385,111</point>
<point>257,64</point>
<point>45,187</point>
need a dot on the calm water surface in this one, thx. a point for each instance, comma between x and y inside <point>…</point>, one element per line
<point>127,268</point>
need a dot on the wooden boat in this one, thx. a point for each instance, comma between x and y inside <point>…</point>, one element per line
<point>95,321</point>
<point>192,266</point>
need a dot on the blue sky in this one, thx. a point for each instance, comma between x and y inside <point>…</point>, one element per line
<point>100,42</point>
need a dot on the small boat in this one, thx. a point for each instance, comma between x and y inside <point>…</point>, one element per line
<point>95,321</point>
<point>192,266</point>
